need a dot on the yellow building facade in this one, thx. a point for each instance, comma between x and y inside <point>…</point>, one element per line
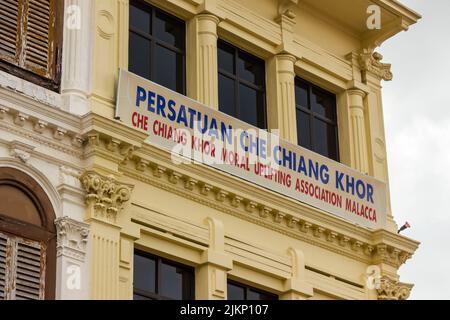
<point>130,197</point>
<point>222,226</point>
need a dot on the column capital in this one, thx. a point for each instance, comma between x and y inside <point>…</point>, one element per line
<point>72,237</point>
<point>208,16</point>
<point>287,56</point>
<point>390,289</point>
<point>356,92</point>
<point>105,195</point>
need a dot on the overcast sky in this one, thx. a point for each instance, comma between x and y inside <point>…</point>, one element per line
<point>417,122</point>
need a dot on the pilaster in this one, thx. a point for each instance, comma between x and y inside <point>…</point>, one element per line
<point>105,198</point>
<point>359,156</point>
<point>75,82</point>
<point>72,239</point>
<point>281,96</point>
<point>296,287</point>
<point>211,275</point>
<point>202,59</point>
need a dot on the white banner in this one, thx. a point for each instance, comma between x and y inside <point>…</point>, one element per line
<point>194,132</point>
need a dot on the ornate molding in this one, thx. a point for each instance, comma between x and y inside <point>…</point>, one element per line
<point>105,195</point>
<point>41,131</point>
<point>285,8</point>
<point>370,62</point>
<point>72,238</point>
<point>20,151</point>
<point>390,289</point>
<point>69,176</point>
<point>198,184</point>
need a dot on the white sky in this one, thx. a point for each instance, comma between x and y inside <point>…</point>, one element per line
<point>417,123</point>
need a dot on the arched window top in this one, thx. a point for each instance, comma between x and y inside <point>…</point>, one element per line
<point>16,204</point>
<point>23,199</point>
<point>27,238</point>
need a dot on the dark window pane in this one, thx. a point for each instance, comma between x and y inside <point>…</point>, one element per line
<point>144,274</point>
<point>227,96</point>
<point>169,30</point>
<point>301,94</point>
<point>226,57</point>
<point>256,295</point>
<point>325,139</point>
<point>171,281</point>
<point>140,19</point>
<point>139,297</point>
<point>139,55</point>
<point>250,69</point>
<point>235,292</point>
<point>323,104</point>
<point>248,105</point>
<point>303,129</point>
<point>168,69</point>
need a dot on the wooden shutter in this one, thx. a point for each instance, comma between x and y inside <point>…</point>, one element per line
<point>10,30</point>
<point>24,266</point>
<point>27,35</point>
<point>3,243</point>
<point>39,37</point>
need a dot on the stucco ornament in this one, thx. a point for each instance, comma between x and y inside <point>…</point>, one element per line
<point>393,290</point>
<point>371,62</point>
<point>105,194</point>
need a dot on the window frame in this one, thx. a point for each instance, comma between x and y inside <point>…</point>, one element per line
<point>53,83</point>
<point>154,41</point>
<point>248,288</point>
<point>237,80</point>
<point>158,262</point>
<point>314,116</point>
<point>46,233</point>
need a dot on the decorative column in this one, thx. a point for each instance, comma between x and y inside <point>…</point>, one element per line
<point>370,71</point>
<point>211,275</point>
<point>281,96</point>
<point>358,145</point>
<point>76,56</point>
<point>72,238</point>
<point>105,199</point>
<point>297,288</point>
<point>202,83</point>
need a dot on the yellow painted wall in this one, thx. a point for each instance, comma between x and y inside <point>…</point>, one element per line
<point>189,213</point>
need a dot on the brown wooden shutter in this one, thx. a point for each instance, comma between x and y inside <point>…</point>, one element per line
<point>27,35</point>
<point>39,37</point>
<point>24,274</point>
<point>3,243</point>
<point>10,30</point>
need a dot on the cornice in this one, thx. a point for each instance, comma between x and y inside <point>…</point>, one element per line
<point>231,195</point>
<point>19,102</point>
<point>400,9</point>
<point>39,127</point>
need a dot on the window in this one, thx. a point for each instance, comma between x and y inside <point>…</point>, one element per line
<point>159,279</point>
<point>241,85</point>
<point>316,119</point>
<point>237,291</point>
<point>30,40</point>
<point>22,271</point>
<point>157,46</point>
<point>27,239</point>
